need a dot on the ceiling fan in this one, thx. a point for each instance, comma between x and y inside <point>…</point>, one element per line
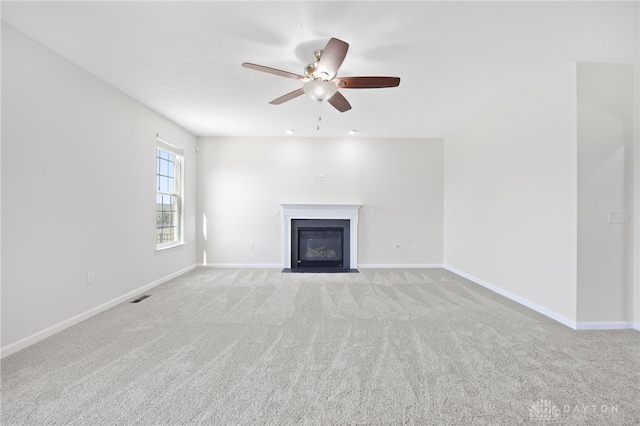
<point>320,78</point>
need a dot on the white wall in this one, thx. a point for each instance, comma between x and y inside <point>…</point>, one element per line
<point>241,181</point>
<point>78,188</point>
<point>510,198</point>
<point>605,182</point>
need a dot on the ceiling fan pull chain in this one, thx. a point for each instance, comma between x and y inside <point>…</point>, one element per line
<point>319,114</point>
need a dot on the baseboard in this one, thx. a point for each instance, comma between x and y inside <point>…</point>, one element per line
<point>360,265</point>
<point>521,300</point>
<point>244,265</point>
<point>41,335</point>
<point>399,265</point>
<point>605,325</point>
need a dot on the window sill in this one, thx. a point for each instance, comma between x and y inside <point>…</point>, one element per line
<point>169,247</point>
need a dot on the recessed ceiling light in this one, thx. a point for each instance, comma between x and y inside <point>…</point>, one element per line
<point>289,131</point>
<point>353,132</point>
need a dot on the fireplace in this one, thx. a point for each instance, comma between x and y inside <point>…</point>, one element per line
<point>320,237</point>
<point>320,243</point>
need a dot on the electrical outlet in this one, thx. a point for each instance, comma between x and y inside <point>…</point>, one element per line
<point>251,246</point>
<point>321,178</point>
<point>524,269</point>
<point>415,247</point>
<point>90,277</point>
<point>373,212</point>
<point>276,212</point>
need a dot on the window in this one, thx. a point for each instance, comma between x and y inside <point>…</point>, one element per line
<point>169,221</point>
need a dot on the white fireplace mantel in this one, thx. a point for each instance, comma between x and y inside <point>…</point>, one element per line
<point>322,211</point>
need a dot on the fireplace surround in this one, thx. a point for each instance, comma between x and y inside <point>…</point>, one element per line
<point>320,243</point>
<point>322,225</point>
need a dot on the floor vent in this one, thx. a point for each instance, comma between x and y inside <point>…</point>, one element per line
<point>140,299</point>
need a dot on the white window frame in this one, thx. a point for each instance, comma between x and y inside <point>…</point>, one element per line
<point>178,155</point>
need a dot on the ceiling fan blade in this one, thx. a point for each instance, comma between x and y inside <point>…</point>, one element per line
<point>339,102</point>
<point>331,59</point>
<point>367,82</point>
<point>287,97</point>
<point>273,71</point>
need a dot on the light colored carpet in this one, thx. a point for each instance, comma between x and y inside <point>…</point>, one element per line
<point>257,346</point>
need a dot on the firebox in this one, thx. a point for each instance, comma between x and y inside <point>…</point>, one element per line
<point>320,244</point>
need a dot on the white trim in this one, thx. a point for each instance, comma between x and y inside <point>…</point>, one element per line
<point>244,265</point>
<point>360,266</point>
<point>169,147</point>
<point>47,332</point>
<point>322,211</point>
<point>400,265</point>
<point>168,246</point>
<point>604,325</point>
<point>521,300</point>
<point>636,202</point>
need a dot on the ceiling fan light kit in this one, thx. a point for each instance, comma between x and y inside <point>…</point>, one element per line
<point>320,90</point>
<point>320,77</point>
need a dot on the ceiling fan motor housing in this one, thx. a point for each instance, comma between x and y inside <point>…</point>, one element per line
<point>311,70</point>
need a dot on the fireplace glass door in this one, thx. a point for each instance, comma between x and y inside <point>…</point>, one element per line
<point>320,246</point>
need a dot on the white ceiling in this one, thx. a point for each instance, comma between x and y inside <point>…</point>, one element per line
<point>457,60</point>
